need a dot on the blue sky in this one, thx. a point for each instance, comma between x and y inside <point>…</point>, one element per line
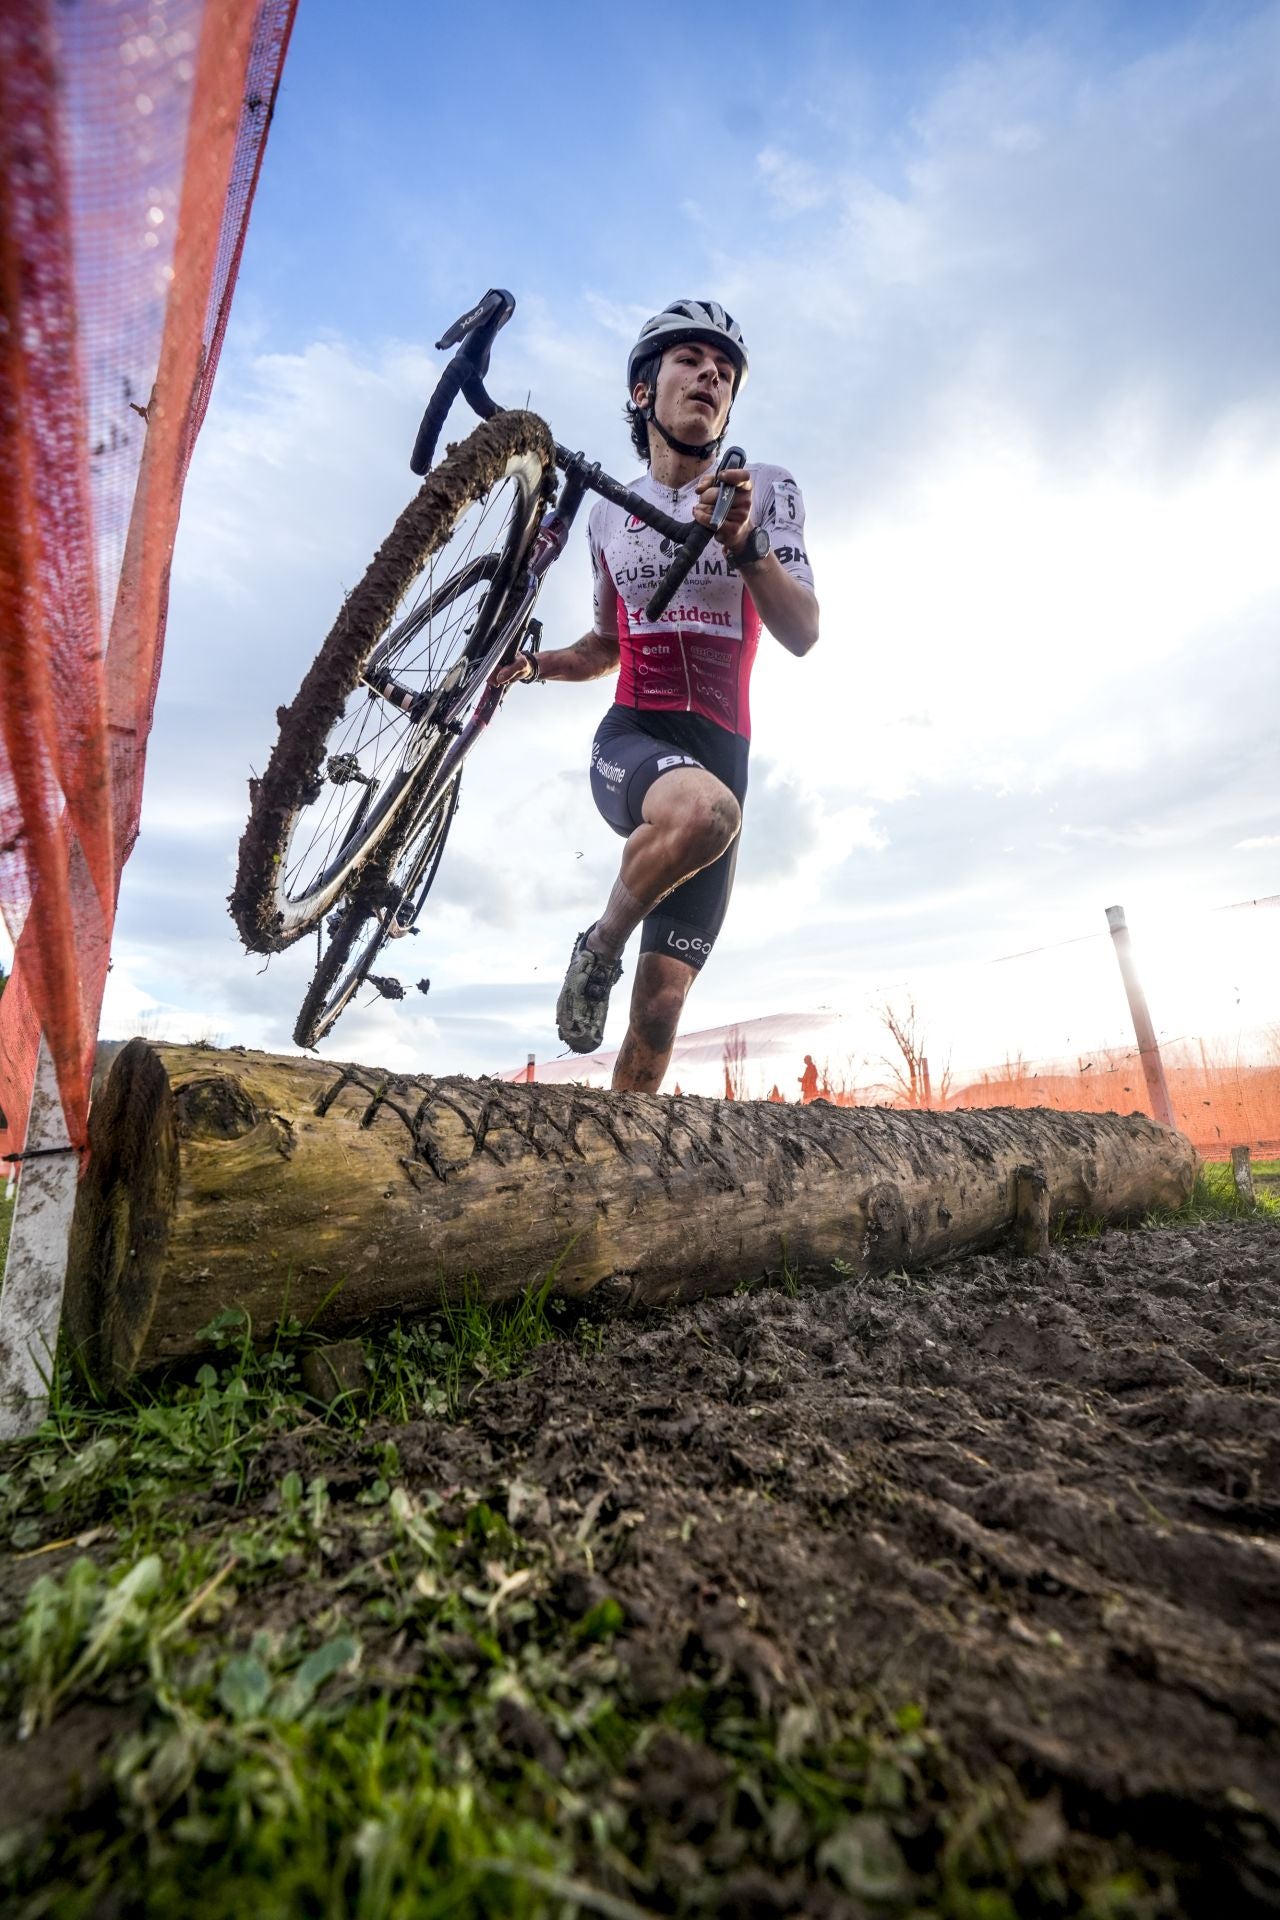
<point>1009,277</point>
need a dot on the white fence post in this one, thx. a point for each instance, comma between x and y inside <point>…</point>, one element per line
<point>36,1269</point>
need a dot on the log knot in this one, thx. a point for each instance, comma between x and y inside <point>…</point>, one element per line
<point>215,1107</point>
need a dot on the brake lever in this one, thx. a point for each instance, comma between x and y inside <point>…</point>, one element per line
<point>734,457</point>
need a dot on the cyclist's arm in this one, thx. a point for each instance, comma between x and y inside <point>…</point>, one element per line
<point>786,607</point>
<point>587,659</point>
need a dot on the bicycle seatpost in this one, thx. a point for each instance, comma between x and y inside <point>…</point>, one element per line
<point>696,542</point>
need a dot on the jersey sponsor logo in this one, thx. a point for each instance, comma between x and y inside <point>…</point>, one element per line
<point>610,770</point>
<point>697,617</point>
<point>792,556</point>
<point>708,692</point>
<point>656,649</point>
<point>634,523</point>
<point>711,656</point>
<point>678,943</point>
<point>678,760</point>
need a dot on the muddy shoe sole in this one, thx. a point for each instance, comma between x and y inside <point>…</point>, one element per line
<point>583,1006</point>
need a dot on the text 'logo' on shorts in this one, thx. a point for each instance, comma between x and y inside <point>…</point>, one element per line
<point>679,944</point>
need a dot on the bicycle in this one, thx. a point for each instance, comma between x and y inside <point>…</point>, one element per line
<point>351,815</point>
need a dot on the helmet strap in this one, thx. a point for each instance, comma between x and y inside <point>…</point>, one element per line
<point>703,451</point>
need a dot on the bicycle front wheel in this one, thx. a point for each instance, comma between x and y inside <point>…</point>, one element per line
<point>352,745</point>
<point>384,906</point>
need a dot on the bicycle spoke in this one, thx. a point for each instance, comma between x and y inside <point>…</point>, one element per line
<point>373,736</point>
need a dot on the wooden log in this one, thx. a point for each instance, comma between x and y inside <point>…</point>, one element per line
<point>287,1185</point>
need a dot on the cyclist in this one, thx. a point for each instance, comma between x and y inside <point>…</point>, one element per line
<point>669,760</point>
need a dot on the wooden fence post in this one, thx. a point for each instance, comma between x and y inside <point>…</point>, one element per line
<point>1242,1174</point>
<point>35,1274</point>
<point>1148,1049</point>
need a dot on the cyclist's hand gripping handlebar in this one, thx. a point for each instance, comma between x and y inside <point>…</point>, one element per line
<point>465,372</point>
<point>697,542</point>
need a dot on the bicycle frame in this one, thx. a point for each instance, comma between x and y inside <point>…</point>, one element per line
<point>464,374</point>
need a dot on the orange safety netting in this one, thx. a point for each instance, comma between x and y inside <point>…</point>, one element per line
<point>131,136</point>
<point>1219,1099</point>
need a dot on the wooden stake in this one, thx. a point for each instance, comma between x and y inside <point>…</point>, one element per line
<point>1031,1212</point>
<point>1242,1174</point>
<point>1148,1048</point>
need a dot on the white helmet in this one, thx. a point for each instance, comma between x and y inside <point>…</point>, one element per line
<point>690,320</point>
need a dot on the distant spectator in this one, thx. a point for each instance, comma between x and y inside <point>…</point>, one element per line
<point>775,1096</point>
<point>809,1080</point>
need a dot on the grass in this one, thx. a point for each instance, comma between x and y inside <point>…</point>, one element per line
<point>1214,1197</point>
<point>337,1689</point>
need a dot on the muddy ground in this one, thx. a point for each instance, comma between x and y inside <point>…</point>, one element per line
<point>1042,1501</point>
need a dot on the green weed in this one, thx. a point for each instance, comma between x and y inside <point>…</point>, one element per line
<point>1214,1197</point>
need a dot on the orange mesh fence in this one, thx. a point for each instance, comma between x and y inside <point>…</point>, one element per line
<point>1219,1102</point>
<point>924,1041</point>
<point>131,138</point>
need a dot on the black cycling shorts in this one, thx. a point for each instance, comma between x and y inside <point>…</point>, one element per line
<point>630,751</point>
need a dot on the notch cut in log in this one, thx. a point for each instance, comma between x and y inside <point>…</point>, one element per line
<point>280,1185</point>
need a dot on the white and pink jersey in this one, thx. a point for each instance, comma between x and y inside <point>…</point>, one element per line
<point>697,657</point>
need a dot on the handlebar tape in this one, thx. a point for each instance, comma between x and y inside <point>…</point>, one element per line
<point>458,370</point>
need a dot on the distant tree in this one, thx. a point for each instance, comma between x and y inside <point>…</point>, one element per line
<point>908,1068</point>
<point>735,1064</point>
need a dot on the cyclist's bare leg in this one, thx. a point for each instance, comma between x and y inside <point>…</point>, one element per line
<point>689,818</point>
<point>657,1001</point>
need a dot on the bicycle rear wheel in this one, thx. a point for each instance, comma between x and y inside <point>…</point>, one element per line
<point>384,904</point>
<point>413,633</point>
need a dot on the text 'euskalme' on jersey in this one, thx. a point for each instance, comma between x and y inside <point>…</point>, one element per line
<point>697,657</point>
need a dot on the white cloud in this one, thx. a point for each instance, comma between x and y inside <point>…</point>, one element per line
<point>1023,357</point>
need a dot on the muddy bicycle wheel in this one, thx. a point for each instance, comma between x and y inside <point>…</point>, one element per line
<point>383,906</point>
<point>352,744</point>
